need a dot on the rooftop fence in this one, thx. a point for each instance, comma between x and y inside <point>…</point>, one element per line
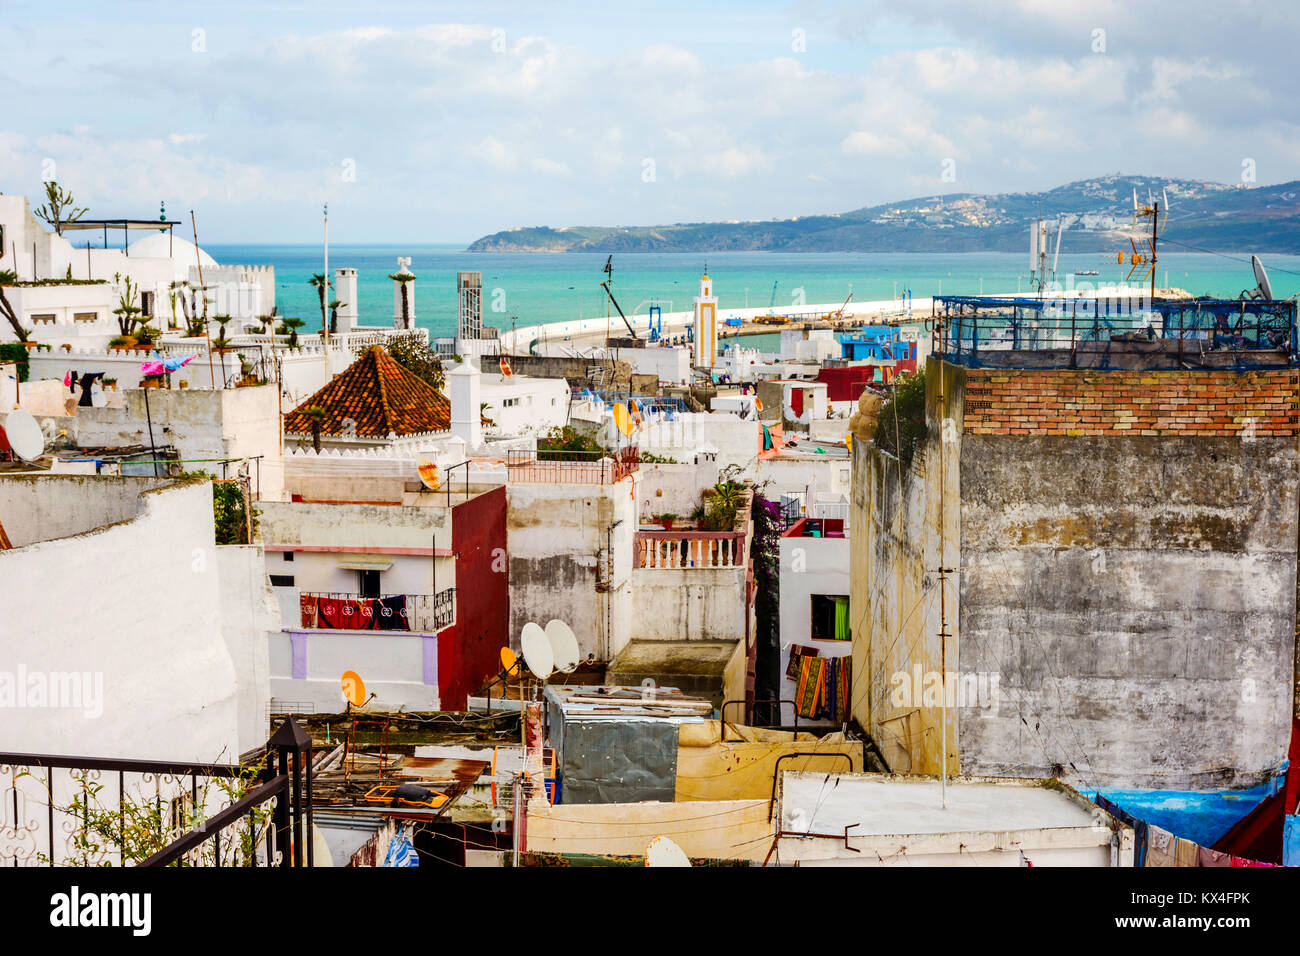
<point>1120,332</point>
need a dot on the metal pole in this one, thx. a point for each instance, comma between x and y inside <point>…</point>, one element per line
<point>148,417</point>
<point>203,294</point>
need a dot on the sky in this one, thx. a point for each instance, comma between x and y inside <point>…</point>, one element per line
<point>439,123</point>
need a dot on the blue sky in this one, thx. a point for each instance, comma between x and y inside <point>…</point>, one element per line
<point>439,123</point>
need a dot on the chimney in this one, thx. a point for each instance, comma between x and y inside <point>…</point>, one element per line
<point>345,290</point>
<point>466,414</point>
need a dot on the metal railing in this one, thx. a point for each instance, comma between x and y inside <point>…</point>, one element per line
<point>1092,332</point>
<point>555,466</point>
<point>92,811</point>
<point>425,613</point>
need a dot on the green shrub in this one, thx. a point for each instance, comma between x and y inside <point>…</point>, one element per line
<point>901,425</point>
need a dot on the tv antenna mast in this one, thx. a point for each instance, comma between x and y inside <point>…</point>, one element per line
<point>1143,247</point>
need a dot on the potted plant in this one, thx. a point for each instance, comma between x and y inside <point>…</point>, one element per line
<point>110,383</point>
<point>666,519</point>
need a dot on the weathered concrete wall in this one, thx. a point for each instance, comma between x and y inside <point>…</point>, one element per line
<point>894,598</point>
<point>200,424</point>
<point>1137,596</point>
<point>734,829</point>
<point>1125,588</point>
<point>561,539</point>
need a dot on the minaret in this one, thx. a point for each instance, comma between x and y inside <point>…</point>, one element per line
<point>706,325</point>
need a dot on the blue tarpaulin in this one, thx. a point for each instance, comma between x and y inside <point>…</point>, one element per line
<point>1202,816</point>
<point>1291,840</point>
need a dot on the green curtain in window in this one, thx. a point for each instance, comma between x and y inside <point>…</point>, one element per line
<point>842,619</point>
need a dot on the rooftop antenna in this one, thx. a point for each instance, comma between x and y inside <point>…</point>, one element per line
<point>326,291</point>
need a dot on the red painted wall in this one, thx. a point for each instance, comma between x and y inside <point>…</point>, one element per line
<point>846,384</point>
<point>468,651</point>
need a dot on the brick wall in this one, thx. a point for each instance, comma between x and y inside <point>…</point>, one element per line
<point>1074,402</point>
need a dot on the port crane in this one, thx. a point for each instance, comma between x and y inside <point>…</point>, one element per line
<point>609,271</point>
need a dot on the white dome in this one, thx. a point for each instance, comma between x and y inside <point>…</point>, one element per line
<point>158,245</point>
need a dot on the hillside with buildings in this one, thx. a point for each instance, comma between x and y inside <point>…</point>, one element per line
<point>1097,213</point>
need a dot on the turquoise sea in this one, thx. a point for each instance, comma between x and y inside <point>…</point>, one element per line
<point>530,288</point>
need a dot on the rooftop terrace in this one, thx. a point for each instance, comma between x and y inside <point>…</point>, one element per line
<point>1126,332</point>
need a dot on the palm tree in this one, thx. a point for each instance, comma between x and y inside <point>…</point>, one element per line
<point>402,278</point>
<point>290,326</point>
<point>316,414</point>
<point>320,285</point>
<point>221,341</point>
<point>9,277</point>
<point>334,315</point>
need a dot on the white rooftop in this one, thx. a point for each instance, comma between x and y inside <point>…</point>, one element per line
<point>883,805</point>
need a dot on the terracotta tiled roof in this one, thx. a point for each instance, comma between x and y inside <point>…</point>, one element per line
<point>378,397</point>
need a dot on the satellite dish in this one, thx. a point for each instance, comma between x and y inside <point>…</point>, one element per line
<point>1264,289</point>
<point>537,651</point>
<point>564,646</point>
<point>354,688</point>
<point>622,418</point>
<point>664,852</point>
<point>509,663</point>
<point>427,469</point>
<point>25,436</point>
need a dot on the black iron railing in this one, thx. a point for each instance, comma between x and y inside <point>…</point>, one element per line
<point>339,610</point>
<point>63,810</point>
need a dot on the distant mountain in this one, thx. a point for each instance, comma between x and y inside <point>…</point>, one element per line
<point>1099,211</point>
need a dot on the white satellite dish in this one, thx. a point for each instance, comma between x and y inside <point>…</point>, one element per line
<point>664,852</point>
<point>25,436</point>
<point>427,469</point>
<point>537,650</point>
<point>564,646</point>
<point>1263,288</point>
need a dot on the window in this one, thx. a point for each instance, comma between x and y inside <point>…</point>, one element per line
<point>43,318</point>
<point>146,304</point>
<point>282,580</point>
<point>368,583</point>
<point>288,555</point>
<point>830,617</point>
<point>85,316</point>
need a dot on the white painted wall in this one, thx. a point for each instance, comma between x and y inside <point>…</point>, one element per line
<point>390,662</point>
<point>808,566</point>
<point>735,441</point>
<point>520,405</point>
<point>132,595</point>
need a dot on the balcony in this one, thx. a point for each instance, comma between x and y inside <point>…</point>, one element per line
<point>672,550</point>
<point>334,610</point>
